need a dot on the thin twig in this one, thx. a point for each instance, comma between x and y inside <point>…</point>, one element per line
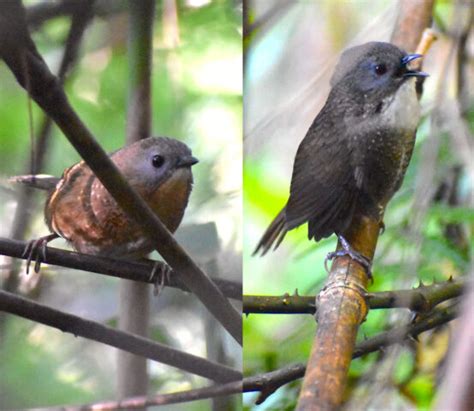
<point>163,399</point>
<point>269,382</point>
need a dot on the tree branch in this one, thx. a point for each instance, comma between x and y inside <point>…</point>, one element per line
<point>162,399</point>
<point>38,14</point>
<point>126,269</point>
<point>422,298</point>
<point>341,308</point>
<point>20,54</point>
<point>80,19</point>
<point>268,383</point>
<point>92,330</point>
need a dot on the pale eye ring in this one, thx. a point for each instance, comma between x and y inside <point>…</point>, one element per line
<point>157,160</point>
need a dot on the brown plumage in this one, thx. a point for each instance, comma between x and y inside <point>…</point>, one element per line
<point>82,211</point>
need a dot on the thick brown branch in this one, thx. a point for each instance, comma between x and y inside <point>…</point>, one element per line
<point>21,56</point>
<point>152,350</point>
<point>129,270</point>
<point>414,17</point>
<point>341,307</point>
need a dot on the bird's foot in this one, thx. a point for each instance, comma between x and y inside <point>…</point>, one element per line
<point>349,251</point>
<point>160,275</point>
<point>36,250</point>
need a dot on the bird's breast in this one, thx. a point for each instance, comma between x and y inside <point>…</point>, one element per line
<point>171,198</point>
<point>382,144</point>
<point>402,110</point>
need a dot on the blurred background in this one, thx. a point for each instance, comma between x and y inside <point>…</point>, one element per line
<point>197,98</point>
<point>290,49</point>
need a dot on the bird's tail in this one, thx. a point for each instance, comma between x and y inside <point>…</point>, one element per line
<point>274,234</point>
<point>40,181</point>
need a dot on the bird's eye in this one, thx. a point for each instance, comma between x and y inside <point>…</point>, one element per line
<point>380,69</point>
<point>157,160</point>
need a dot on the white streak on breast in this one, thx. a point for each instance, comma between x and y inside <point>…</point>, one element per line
<point>404,109</point>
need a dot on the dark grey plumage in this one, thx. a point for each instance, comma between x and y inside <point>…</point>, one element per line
<point>355,153</point>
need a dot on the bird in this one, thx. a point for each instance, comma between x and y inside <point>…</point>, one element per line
<point>355,153</point>
<point>81,210</point>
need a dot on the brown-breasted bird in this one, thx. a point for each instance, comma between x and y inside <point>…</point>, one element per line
<point>82,211</point>
<point>355,153</point>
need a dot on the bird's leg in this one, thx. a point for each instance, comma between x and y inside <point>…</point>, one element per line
<point>36,249</point>
<point>349,251</point>
<point>160,274</point>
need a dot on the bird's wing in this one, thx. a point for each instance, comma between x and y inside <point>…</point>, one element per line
<point>324,184</point>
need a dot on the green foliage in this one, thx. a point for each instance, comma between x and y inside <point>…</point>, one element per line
<point>33,358</point>
<point>422,387</point>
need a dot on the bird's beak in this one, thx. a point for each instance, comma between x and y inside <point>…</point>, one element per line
<point>187,161</point>
<point>412,73</point>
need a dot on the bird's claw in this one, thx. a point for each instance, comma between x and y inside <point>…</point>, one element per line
<point>160,275</point>
<point>347,250</point>
<point>36,249</point>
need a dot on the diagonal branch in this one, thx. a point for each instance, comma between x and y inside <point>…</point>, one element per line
<point>20,54</point>
<point>162,399</point>
<point>80,19</point>
<point>41,13</point>
<point>152,350</point>
<point>268,383</point>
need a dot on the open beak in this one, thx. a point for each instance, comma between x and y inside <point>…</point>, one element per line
<point>412,73</point>
<point>187,161</point>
